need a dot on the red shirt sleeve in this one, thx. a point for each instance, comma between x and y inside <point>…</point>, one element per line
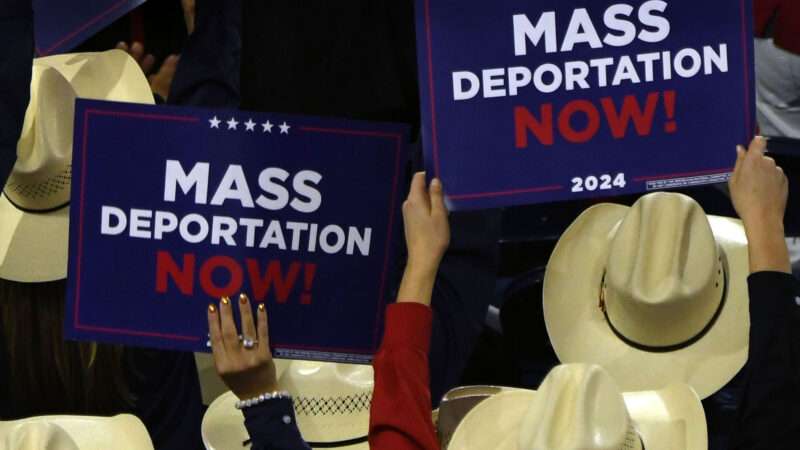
<point>785,17</point>
<point>787,28</point>
<point>763,12</point>
<point>400,417</point>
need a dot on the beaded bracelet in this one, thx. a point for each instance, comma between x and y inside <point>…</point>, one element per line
<point>241,404</point>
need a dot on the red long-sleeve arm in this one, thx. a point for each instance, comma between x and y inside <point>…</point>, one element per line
<point>400,417</point>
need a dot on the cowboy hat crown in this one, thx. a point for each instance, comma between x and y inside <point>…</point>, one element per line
<point>121,432</point>
<point>578,406</point>
<point>41,177</point>
<point>38,436</point>
<point>664,279</point>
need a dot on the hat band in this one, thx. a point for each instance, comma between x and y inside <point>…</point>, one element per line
<point>34,211</point>
<point>672,347</point>
<point>337,444</point>
<point>332,444</point>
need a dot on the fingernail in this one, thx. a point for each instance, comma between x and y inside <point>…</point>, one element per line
<point>208,344</point>
<point>225,300</point>
<point>261,307</point>
<point>243,298</point>
<point>436,183</point>
<point>212,308</point>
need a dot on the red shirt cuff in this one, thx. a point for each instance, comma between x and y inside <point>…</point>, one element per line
<point>408,325</point>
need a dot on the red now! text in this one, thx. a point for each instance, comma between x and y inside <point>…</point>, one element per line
<point>619,118</point>
<point>264,277</point>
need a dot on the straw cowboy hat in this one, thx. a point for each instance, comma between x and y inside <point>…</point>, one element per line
<point>34,210</point>
<point>456,404</point>
<point>122,432</point>
<point>331,404</point>
<point>655,293</point>
<point>580,406</point>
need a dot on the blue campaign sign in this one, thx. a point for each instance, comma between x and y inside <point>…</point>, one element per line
<point>173,208</point>
<point>62,25</point>
<point>537,101</point>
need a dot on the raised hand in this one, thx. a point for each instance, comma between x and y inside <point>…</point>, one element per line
<point>161,80</point>
<point>427,236</point>
<point>145,60</point>
<point>759,191</point>
<point>245,365</point>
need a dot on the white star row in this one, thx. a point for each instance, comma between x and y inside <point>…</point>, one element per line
<point>233,124</point>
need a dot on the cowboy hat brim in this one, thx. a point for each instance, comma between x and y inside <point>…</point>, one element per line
<point>494,423</point>
<point>33,246</point>
<point>93,433</point>
<point>579,332</point>
<point>667,419</point>
<point>456,404</point>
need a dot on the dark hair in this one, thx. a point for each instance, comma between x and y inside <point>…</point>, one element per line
<point>46,373</point>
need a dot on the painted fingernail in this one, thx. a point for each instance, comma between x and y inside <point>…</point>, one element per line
<point>243,298</point>
<point>225,300</point>
<point>261,307</point>
<point>212,308</point>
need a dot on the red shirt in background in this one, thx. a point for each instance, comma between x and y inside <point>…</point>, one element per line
<point>784,15</point>
<point>400,418</point>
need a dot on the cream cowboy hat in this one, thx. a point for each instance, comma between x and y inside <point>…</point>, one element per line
<point>331,404</point>
<point>34,210</point>
<point>456,404</point>
<point>655,293</point>
<point>122,432</point>
<point>580,406</point>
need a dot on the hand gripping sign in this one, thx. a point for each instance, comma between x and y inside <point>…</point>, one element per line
<point>529,102</point>
<point>173,208</point>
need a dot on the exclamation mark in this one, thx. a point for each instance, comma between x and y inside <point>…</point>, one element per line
<point>310,271</point>
<point>671,125</point>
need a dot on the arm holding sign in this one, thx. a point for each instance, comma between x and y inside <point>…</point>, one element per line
<point>401,365</point>
<point>247,368</point>
<point>767,416</point>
